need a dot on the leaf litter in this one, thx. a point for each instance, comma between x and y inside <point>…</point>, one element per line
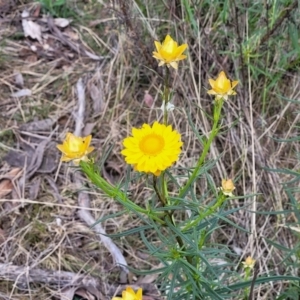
<point>34,150</point>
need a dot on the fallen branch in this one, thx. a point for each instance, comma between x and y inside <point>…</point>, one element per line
<point>23,275</point>
<point>83,197</point>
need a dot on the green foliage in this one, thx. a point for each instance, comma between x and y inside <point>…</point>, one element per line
<point>291,257</point>
<point>194,267</point>
<point>57,8</point>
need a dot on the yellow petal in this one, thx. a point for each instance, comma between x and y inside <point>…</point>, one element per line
<point>174,65</point>
<point>89,150</point>
<point>234,84</point>
<point>139,294</point>
<point>65,158</point>
<point>181,57</point>
<point>222,75</point>
<point>61,148</point>
<point>87,140</point>
<point>211,92</point>
<point>167,39</point>
<point>157,55</point>
<point>180,49</point>
<point>68,136</point>
<point>157,45</point>
<point>212,82</point>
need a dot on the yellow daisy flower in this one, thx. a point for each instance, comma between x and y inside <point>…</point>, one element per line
<point>152,149</point>
<point>169,52</point>
<point>222,87</point>
<point>75,148</point>
<point>249,262</point>
<point>129,294</point>
<point>227,187</point>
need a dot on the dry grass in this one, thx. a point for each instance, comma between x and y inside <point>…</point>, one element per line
<point>39,227</point>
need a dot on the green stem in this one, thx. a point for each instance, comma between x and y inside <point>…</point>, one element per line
<point>170,217</point>
<point>213,134</point>
<point>163,194</point>
<point>247,290</point>
<point>160,197</point>
<point>207,213</point>
<point>213,208</point>
<point>166,96</point>
<point>114,192</point>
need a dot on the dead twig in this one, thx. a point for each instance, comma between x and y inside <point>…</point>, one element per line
<point>64,40</point>
<point>83,198</point>
<point>23,275</point>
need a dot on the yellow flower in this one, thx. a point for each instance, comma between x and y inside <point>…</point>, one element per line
<point>169,52</point>
<point>75,148</point>
<point>129,294</point>
<point>152,149</point>
<point>249,262</point>
<point>222,87</point>
<point>227,187</point>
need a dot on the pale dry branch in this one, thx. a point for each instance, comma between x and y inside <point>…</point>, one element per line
<point>83,198</point>
<point>22,275</point>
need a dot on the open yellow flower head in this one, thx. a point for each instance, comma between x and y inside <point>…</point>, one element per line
<point>169,52</point>
<point>75,148</point>
<point>152,149</point>
<point>227,187</point>
<point>129,294</point>
<point>249,262</point>
<point>222,87</point>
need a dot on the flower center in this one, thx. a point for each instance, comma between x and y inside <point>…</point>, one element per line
<point>152,144</point>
